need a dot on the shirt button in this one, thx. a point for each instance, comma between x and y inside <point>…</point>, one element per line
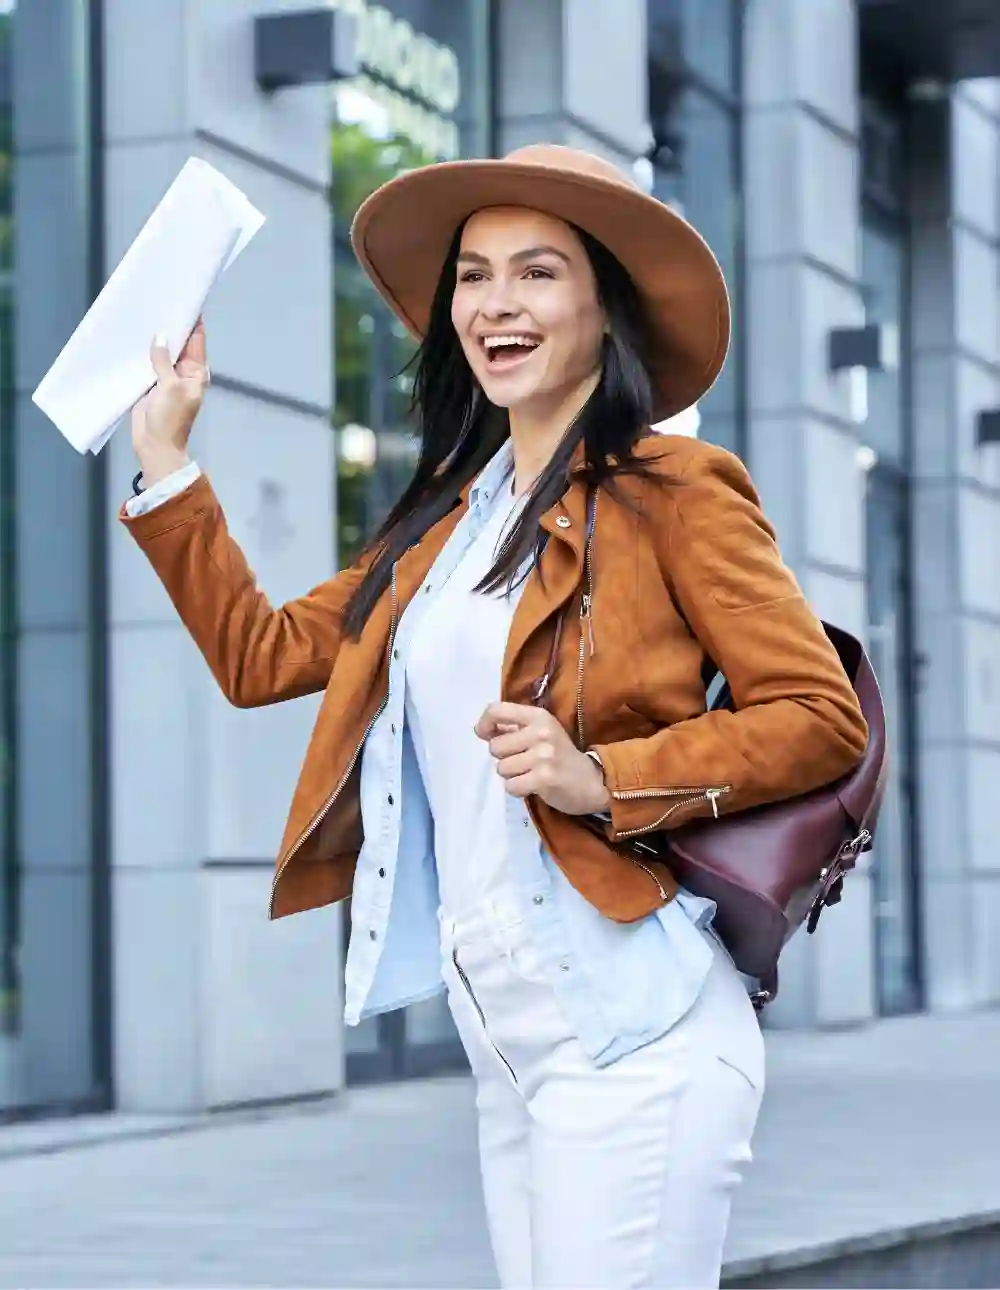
<point>381,873</point>
<point>564,521</point>
<point>564,966</point>
<point>373,934</point>
<point>526,821</point>
<point>395,653</point>
<point>427,589</point>
<point>390,799</point>
<point>393,728</point>
<point>539,900</point>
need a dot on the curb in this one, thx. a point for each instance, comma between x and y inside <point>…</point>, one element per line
<point>877,1242</point>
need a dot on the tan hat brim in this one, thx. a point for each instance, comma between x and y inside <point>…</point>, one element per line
<point>403,231</point>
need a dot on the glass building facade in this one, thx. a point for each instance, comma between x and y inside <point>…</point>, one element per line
<point>851,224</point>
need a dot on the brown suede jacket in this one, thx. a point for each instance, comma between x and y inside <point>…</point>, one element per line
<point>691,569</point>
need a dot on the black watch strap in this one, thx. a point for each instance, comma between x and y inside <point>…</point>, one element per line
<point>137,488</point>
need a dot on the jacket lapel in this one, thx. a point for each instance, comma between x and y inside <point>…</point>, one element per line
<point>543,597</point>
<point>413,567</point>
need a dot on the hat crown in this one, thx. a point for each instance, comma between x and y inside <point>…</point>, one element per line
<point>556,156</point>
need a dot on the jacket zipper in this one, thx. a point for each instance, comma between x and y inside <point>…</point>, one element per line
<point>586,631</point>
<point>318,818</point>
<point>685,796</point>
<point>482,1015</point>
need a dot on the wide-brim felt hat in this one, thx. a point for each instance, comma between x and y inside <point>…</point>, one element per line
<point>402,234</point>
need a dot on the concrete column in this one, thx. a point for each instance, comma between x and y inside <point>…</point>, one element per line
<point>546,90</point>
<point>956,357</point>
<point>213,1005</point>
<point>803,268</point>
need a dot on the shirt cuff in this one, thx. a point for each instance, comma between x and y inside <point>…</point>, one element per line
<point>163,490</point>
<point>603,816</point>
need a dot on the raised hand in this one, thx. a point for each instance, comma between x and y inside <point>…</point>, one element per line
<point>162,419</point>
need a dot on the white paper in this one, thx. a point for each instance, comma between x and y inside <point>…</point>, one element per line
<point>160,287</point>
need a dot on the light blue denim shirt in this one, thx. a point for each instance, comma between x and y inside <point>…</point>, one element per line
<point>621,985</point>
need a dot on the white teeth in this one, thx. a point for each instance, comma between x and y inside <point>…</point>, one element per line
<point>495,342</point>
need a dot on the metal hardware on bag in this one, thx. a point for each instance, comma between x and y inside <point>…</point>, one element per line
<point>856,844</point>
<point>831,878</point>
<point>324,810</point>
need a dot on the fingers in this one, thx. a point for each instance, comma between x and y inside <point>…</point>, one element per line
<point>533,762</point>
<point>500,716</point>
<point>159,356</point>
<point>513,740</point>
<point>523,786</point>
<point>195,350</point>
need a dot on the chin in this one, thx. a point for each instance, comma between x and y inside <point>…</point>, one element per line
<point>503,394</point>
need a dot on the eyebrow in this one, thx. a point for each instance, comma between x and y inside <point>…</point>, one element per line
<point>531,253</point>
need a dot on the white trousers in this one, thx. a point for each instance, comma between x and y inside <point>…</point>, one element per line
<point>614,1177</point>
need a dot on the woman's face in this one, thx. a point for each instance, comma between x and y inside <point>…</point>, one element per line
<point>525,307</point>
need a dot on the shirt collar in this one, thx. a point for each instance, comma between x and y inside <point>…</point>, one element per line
<point>491,478</point>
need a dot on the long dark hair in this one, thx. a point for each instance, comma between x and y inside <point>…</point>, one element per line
<point>460,431</point>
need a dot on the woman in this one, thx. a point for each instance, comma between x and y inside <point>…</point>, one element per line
<point>465,786</point>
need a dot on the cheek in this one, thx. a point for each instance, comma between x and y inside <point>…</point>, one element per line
<point>580,344</point>
<point>461,317</point>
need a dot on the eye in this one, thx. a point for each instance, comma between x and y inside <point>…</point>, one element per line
<point>536,271</point>
<point>472,275</point>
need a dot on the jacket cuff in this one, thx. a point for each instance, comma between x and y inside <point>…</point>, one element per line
<point>180,509</point>
<point>639,807</point>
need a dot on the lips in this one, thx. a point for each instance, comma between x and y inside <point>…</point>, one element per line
<point>507,348</point>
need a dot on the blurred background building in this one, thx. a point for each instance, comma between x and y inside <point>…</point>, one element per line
<point>843,160</point>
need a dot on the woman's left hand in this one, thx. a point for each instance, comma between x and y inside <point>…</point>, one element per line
<point>535,755</point>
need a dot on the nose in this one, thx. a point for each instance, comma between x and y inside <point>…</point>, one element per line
<point>499,302</point>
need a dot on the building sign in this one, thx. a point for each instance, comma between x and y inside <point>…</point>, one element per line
<point>415,80</point>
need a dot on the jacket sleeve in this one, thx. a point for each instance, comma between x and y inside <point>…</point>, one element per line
<point>258,654</point>
<point>797,725</point>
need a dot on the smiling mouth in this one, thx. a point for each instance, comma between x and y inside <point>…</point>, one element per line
<point>507,351</point>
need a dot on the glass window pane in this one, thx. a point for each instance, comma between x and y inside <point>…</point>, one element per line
<point>700,33</point>
<point>9,903</point>
<point>882,290</point>
<point>423,97</point>
<point>50,785</point>
<point>699,176</point>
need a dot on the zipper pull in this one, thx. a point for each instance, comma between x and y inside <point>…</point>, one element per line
<point>713,795</point>
<point>588,617</point>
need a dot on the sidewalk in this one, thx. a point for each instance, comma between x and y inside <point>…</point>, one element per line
<point>863,1132</point>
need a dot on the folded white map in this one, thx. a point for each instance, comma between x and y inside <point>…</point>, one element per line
<point>159,288</point>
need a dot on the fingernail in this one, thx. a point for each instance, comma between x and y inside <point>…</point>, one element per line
<point>160,341</point>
